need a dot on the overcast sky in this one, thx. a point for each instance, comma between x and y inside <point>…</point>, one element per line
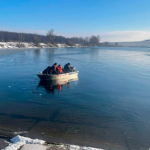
<point>113,20</point>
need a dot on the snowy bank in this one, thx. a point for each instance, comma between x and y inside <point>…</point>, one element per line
<point>19,141</point>
<point>12,45</point>
<point>26,143</point>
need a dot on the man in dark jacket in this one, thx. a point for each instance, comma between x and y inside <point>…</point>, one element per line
<point>54,69</point>
<point>67,68</point>
<point>50,69</point>
<point>47,70</point>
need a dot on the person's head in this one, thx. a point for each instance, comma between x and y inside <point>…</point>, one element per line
<point>69,64</point>
<point>55,64</point>
<point>59,65</point>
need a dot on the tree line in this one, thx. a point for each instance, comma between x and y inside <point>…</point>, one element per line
<point>6,36</point>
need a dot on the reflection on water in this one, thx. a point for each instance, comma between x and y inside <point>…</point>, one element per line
<point>53,85</point>
<point>37,52</point>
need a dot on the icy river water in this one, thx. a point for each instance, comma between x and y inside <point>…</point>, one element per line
<point>109,106</point>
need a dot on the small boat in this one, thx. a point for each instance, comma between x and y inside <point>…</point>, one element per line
<point>63,76</point>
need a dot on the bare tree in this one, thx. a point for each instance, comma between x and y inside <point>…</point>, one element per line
<point>51,36</point>
<point>21,40</point>
<point>70,43</point>
<point>37,39</point>
<point>1,39</point>
<point>98,37</point>
<point>94,41</point>
<point>87,39</point>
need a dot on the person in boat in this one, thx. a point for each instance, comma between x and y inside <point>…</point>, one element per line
<point>47,70</point>
<point>67,68</point>
<point>59,69</point>
<point>51,69</point>
<point>54,69</point>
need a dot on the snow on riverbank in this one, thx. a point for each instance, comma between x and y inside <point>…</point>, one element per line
<point>19,141</point>
<point>26,143</point>
<point>11,45</point>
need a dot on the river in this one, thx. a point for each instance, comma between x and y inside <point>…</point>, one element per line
<point>108,106</point>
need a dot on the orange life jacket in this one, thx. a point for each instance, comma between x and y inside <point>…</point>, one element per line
<point>59,69</point>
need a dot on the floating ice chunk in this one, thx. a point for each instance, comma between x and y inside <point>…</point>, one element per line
<point>19,138</point>
<point>20,132</point>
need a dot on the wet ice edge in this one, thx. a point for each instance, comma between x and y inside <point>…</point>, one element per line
<point>19,141</point>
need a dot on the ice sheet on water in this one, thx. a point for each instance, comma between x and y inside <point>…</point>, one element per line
<point>19,138</point>
<point>19,141</point>
<point>76,147</point>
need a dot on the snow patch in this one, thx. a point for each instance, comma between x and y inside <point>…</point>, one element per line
<point>19,141</point>
<point>34,147</point>
<point>19,138</point>
<point>75,147</point>
<point>28,143</point>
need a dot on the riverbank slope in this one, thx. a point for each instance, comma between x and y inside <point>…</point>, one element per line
<point>11,45</point>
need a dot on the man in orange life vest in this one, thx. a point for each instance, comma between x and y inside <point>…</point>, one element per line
<point>59,69</point>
